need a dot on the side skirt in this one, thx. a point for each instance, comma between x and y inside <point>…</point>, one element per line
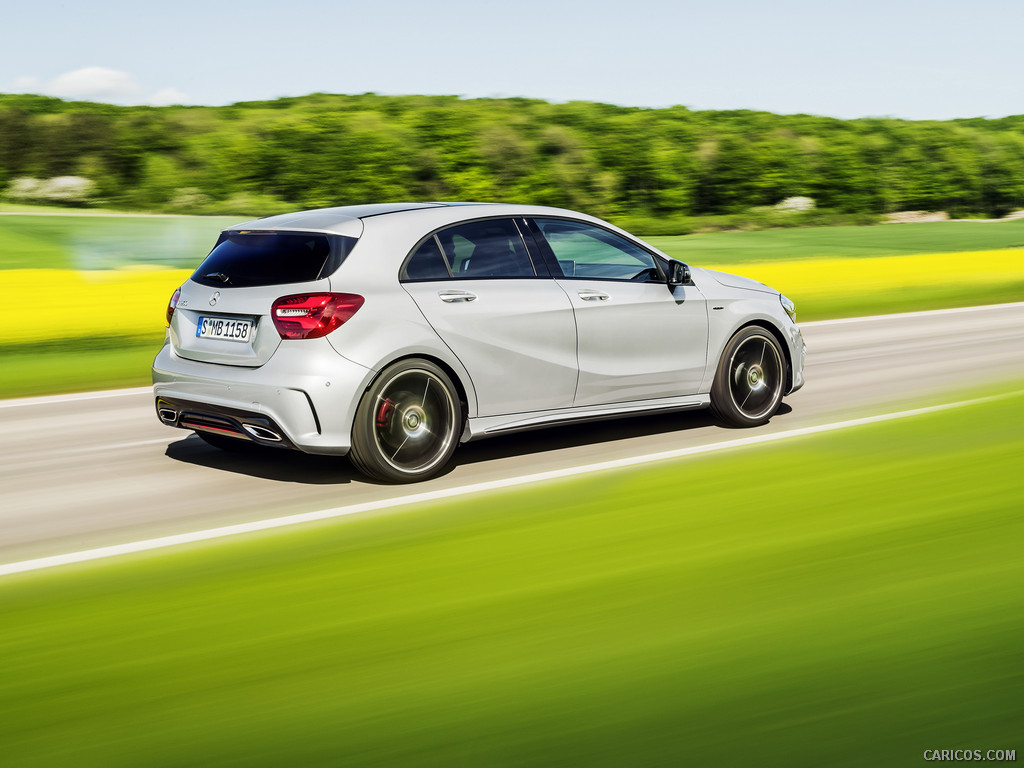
<point>489,426</point>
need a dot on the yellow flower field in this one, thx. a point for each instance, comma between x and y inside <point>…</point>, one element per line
<point>821,279</point>
<point>46,304</point>
<point>49,304</point>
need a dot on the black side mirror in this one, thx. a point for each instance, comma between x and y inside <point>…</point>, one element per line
<point>678,273</point>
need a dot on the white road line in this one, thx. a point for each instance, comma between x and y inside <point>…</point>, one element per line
<point>901,315</point>
<point>163,542</point>
<point>118,446</point>
<point>74,397</point>
<point>29,459</point>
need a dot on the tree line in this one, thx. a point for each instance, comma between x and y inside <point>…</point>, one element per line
<point>321,150</point>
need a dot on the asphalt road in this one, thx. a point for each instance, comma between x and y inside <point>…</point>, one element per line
<point>83,471</point>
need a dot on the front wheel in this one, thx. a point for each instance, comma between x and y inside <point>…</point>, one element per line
<point>407,424</point>
<point>750,379</point>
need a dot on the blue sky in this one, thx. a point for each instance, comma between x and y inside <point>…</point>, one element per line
<point>904,58</point>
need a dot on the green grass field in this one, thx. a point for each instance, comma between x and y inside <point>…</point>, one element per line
<point>106,242</point>
<point>847,599</point>
<point>843,242</point>
<point>25,373</point>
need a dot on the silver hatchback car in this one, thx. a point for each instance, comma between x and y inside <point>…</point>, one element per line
<point>394,332</point>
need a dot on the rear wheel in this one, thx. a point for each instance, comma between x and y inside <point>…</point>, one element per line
<point>750,379</point>
<point>407,424</point>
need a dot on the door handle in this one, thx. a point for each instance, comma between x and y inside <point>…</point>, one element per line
<point>591,295</point>
<point>454,296</point>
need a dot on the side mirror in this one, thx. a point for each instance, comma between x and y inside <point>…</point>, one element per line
<point>678,273</point>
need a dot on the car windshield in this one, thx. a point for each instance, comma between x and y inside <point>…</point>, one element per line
<point>247,259</point>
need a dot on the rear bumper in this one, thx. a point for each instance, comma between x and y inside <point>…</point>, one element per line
<point>306,395</point>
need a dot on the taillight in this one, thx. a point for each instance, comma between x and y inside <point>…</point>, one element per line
<point>312,315</point>
<point>172,304</point>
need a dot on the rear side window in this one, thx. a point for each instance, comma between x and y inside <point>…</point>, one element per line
<point>249,259</point>
<point>479,249</point>
<point>428,262</point>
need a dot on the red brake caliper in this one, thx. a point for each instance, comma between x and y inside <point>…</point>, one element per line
<point>384,413</point>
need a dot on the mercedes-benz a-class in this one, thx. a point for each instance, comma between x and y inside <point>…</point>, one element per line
<point>394,332</point>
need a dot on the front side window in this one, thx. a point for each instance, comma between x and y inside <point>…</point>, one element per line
<point>585,251</point>
<point>479,249</point>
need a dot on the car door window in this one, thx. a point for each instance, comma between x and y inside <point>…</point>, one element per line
<point>427,262</point>
<point>492,248</point>
<point>585,251</point>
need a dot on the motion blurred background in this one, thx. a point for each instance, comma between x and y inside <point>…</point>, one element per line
<point>848,599</point>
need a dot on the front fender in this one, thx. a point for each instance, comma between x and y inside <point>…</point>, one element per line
<point>731,308</point>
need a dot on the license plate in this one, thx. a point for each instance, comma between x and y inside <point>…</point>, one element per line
<point>224,328</point>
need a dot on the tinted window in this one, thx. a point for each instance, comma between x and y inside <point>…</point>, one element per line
<point>487,249</point>
<point>427,262</point>
<point>249,259</point>
<point>583,250</point>
<point>479,249</point>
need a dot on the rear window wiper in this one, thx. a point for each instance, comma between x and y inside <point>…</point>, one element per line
<point>220,276</point>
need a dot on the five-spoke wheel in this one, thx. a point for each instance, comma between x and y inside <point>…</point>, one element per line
<point>407,423</point>
<point>750,380</point>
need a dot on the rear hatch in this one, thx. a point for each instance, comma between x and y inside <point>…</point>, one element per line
<point>223,314</point>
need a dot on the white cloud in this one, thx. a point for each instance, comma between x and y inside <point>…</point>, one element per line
<point>99,84</point>
<point>95,84</point>
<point>166,97</point>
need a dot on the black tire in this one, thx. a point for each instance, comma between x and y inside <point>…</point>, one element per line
<point>750,380</point>
<point>407,424</point>
<point>229,444</point>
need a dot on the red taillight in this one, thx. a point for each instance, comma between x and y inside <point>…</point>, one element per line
<point>312,315</point>
<point>172,304</point>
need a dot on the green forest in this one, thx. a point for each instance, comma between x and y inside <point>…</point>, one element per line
<point>617,162</point>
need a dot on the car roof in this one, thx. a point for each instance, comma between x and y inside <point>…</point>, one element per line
<point>338,219</point>
<point>347,219</point>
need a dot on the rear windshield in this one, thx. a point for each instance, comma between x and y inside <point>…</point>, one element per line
<point>248,259</point>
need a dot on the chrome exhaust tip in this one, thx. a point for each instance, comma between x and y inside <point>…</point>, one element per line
<point>262,433</point>
<point>167,415</point>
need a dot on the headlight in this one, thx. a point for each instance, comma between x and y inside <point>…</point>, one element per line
<point>789,306</point>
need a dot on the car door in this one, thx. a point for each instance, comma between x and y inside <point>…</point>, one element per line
<point>497,308</point>
<point>637,337</point>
